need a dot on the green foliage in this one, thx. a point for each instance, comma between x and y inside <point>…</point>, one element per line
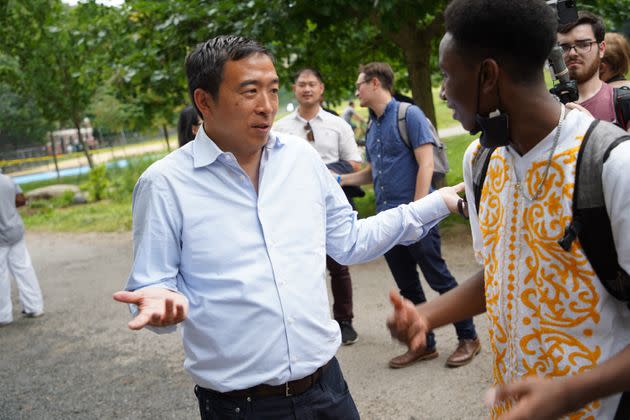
<point>21,123</point>
<point>97,183</point>
<point>124,179</point>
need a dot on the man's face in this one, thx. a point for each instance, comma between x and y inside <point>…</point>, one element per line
<point>364,90</point>
<point>247,103</point>
<point>308,89</point>
<point>584,58</point>
<point>459,84</point>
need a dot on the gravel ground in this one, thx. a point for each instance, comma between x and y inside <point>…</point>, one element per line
<point>80,361</point>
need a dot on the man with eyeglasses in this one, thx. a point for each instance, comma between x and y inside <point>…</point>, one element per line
<point>334,141</point>
<point>401,174</point>
<point>583,44</point>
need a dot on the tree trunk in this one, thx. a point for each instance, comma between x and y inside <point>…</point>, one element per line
<point>416,46</point>
<point>54,154</point>
<point>168,146</point>
<point>83,145</point>
<point>418,66</point>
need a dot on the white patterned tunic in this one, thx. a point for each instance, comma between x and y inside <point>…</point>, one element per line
<point>549,314</point>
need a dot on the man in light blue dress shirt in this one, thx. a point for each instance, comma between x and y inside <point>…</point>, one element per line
<point>230,237</point>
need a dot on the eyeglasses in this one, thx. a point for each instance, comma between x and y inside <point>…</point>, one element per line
<point>582,47</point>
<point>358,85</point>
<point>309,132</point>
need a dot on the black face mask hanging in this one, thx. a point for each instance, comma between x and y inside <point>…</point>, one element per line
<point>495,128</point>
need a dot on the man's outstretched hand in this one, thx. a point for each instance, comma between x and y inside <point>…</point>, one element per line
<point>450,195</point>
<point>406,324</point>
<point>157,307</point>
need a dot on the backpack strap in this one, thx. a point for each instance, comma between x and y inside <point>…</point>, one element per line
<point>480,163</point>
<point>590,222</point>
<point>402,122</point>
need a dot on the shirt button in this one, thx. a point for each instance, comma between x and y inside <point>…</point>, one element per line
<point>384,202</point>
<point>378,156</point>
<point>249,399</point>
<point>237,410</point>
<point>291,320</point>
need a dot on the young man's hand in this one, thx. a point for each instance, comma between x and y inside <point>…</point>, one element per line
<point>532,398</point>
<point>406,324</point>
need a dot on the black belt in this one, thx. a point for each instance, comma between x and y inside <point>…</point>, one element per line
<point>297,387</point>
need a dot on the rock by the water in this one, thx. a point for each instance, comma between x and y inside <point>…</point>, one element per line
<point>51,191</point>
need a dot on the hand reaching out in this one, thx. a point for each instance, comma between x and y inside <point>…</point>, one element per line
<point>406,324</point>
<point>532,397</point>
<point>157,307</point>
<point>451,197</point>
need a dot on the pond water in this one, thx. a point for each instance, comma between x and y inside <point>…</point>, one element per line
<point>43,176</point>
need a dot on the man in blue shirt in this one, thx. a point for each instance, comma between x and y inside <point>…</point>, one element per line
<point>401,175</point>
<point>230,237</point>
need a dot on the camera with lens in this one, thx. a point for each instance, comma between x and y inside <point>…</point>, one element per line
<point>565,88</point>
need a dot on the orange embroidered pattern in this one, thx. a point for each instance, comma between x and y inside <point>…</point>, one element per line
<point>542,302</point>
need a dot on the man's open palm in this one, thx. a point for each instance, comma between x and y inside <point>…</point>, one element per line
<point>157,307</point>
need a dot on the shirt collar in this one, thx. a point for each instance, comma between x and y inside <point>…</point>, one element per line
<point>206,151</point>
<point>390,105</point>
<point>298,117</point>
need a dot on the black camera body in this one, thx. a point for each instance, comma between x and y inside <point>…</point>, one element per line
<point>566,89</point>
<point>567,11</point>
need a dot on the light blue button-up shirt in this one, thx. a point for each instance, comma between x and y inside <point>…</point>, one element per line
<point>252,265</point>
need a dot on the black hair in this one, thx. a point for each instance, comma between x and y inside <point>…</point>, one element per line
<point>204,65</point>
<point>187,118</point>
<point>587,18</point>
<point>315,73</point>
<point>519,35</point>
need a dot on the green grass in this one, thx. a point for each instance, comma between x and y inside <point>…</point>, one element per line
<point>101,216</point>
<point>113,214</point>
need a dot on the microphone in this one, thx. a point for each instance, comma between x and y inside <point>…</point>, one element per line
<point>566,90</point>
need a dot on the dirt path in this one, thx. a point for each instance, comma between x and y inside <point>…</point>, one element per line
<point>80,361</point>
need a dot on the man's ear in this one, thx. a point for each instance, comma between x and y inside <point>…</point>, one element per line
<point>602,49</point>
<point>204,102</point>
<point>489,75</point>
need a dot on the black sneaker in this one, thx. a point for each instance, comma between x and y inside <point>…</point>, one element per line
<point>348,334</point>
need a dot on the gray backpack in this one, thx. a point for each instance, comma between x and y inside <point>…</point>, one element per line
<point>440,161</point>
<point>590,222</point>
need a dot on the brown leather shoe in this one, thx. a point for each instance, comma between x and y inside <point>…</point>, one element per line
<point>466,350</point>
<point>411,357</point>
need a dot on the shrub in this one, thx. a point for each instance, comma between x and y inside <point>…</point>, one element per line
<point>97,183</point>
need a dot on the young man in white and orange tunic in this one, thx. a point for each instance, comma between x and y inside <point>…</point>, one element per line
<point>560,340</point>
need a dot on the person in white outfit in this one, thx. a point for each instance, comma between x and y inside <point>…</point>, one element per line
<point>14,256</point>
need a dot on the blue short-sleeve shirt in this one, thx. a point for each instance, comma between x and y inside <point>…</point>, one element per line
<point>394,166</point>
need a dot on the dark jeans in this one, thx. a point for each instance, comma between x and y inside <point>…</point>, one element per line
<point>329,398</point>
<point>427,254</point>
<point>341,285</point>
